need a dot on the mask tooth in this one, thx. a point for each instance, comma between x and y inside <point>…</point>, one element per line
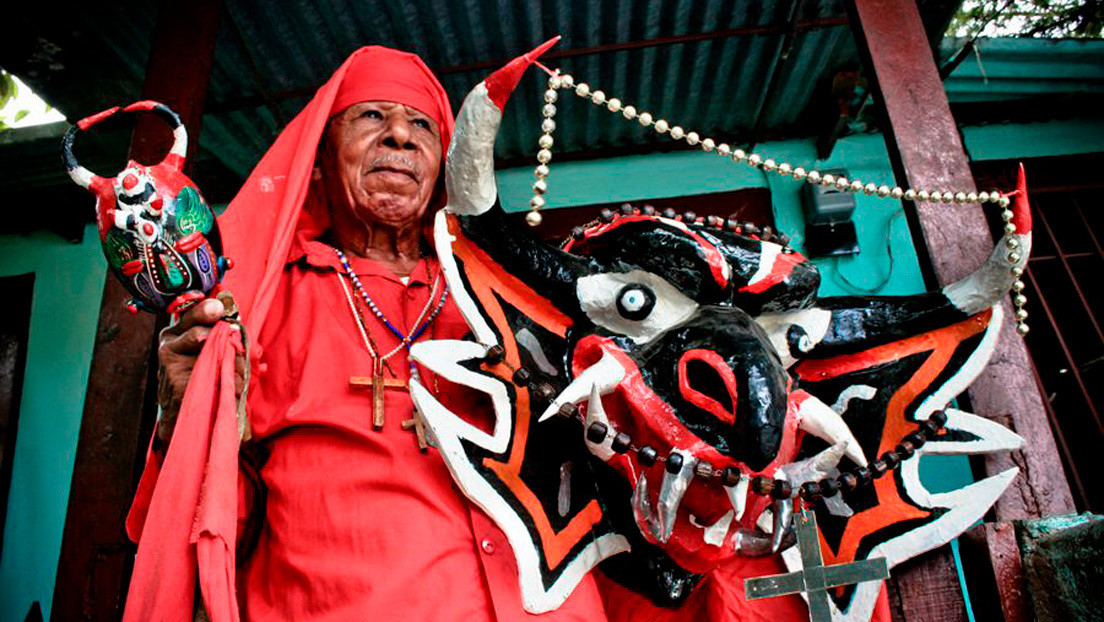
<point>642,510</point>
<point>596,412</point>
<point>671,493</point>
<point>603,375</point>
<point>814,468</point>
<point>783,513</point>
<point>737,495</point>
<point>816,418</point>
<point>751,543</point>
<point>715,533</point>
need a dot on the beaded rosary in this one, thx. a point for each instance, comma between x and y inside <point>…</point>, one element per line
<point>378,383</point>
<point>779,489</point>
<point>557,81</point>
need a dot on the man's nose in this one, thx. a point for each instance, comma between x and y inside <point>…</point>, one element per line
<point>398,132</point>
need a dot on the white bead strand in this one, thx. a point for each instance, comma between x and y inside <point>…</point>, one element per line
<point>769,165</point>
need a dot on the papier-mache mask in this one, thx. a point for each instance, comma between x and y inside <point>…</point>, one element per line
<point>664,391</point>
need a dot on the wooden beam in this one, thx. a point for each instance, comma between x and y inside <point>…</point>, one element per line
<point>993,569</point>
<point>927,153</point>
<point>919,589</point>
<point>95,560</point>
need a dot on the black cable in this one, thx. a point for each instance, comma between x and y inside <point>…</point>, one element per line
<point>850,286</point>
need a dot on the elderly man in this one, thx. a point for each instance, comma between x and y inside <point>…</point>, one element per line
<point>335,280</point>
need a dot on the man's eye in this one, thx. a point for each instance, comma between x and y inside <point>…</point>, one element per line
<point>423,123</point>
<point>371,114</point>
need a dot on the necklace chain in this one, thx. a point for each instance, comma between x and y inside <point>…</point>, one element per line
<point>420,325</point>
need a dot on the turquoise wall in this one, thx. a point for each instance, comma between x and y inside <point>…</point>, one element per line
<point>69,282</point>
<point>66,306</point>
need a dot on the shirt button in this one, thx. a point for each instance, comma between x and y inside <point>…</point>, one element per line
<point>487,546</point>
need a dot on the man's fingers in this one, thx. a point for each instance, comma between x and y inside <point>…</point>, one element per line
<point>189,343</point>
<point>206,313</point>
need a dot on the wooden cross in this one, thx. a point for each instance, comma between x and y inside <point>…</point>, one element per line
<point>377,384</point>
<point>815,578</point>
<point>419,430</point>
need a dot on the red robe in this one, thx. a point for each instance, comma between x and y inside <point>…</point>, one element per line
<point>359,521</point>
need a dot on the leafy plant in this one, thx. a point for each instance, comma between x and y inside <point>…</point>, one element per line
<point>1030,18</point>
<point>9,90</point>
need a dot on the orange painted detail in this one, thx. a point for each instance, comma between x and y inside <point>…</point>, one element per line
<point>487,279</point>
<point>482,270</point>
<point>891,507</point>
<point>816,370</point>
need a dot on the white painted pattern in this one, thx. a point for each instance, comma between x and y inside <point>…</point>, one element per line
<point>597,294</point>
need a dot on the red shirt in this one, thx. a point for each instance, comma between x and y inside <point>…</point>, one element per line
<point>359,523</point>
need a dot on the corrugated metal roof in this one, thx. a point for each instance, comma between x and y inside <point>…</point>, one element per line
<point>278,51</point>
<point>1004,69</point>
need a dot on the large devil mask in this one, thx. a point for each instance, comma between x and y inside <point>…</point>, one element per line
<point>662,390</point>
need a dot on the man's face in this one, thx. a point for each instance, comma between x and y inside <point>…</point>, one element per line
<point>380,162</point>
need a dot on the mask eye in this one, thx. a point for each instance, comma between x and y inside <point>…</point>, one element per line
<point>635,302</point>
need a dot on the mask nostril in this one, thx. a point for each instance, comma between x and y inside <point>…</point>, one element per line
<point>707,381</point>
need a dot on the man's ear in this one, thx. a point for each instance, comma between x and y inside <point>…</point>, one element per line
<point>316,172</point>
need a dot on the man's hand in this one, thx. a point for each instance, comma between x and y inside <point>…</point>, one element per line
<point>177,353</point>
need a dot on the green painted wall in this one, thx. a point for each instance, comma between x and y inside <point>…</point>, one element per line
<point>69,282</point>
<point>67,290</point>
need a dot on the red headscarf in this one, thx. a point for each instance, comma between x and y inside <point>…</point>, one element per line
<point>259,229</point>
<point>274,203</point>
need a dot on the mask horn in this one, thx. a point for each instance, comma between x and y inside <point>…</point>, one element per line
<point>86,178</point>
<point>80,175</point>
<point>991,282</point>
<point>469,167</point>
<point>175,157</point>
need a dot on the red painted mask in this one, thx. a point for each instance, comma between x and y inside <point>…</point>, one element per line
<point>159,235</point>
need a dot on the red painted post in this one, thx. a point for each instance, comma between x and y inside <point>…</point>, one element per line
<point>95,560</point>
<point>927,153</point>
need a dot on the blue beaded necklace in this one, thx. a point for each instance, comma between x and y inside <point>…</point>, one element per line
<point>420,326</point>
<point>378,382</point>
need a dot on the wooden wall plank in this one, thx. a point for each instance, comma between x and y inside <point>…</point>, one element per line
<point>927,152</point>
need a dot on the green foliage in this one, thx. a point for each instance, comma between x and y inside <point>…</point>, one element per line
<point>1082,19</point>
<point>9,90</point>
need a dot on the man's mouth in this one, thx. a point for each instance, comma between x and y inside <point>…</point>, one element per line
<point>396,171</point>
<point>394,164</point>
<point>696,503</point>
